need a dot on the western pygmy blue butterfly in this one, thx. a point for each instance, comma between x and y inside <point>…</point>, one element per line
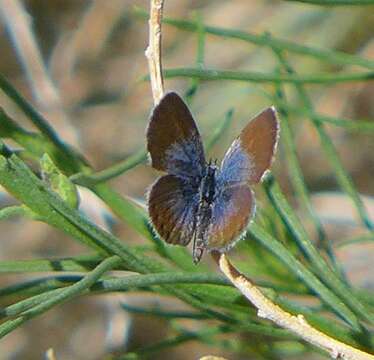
<point>197,200</point>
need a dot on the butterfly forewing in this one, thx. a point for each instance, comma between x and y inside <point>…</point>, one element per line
<point>174,142</point>
<point>232,210</point>
<point>172,205</point>
<point>251,154</point>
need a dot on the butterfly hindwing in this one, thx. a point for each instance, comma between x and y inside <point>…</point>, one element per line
<point>172,207</point>
<point>174,142</point>
<point>232,210</point>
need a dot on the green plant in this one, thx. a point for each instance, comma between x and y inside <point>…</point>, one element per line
<point>289,258</point>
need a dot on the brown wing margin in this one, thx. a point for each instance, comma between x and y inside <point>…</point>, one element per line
<point>259,140</point>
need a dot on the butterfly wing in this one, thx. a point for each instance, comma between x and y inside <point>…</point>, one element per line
<point>232,210</point>
<point>246,161</point>
<point>172,205</point>
<point>251,154</point>
<point>174,142</point>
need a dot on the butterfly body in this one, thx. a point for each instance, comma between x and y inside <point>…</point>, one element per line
<point>208,189</point>
<point>197,200</point>
<point>207,194</point>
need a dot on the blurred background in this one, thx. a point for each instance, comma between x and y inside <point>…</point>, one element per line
<point>82,63</point>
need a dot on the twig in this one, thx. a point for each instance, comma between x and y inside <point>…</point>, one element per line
<point>19,25</point>
<point>297,324</point>
<point>153,52</point>
<point>50,354</point>
<point>75,47</point>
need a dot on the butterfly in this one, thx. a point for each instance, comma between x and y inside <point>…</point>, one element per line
<point>199,200</point>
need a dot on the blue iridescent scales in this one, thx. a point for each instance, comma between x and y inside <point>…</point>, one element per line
<point>197,200</point>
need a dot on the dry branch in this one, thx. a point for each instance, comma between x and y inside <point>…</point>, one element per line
<point>153,52</point>
<point>297,324</point>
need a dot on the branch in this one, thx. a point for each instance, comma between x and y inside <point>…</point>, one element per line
<point>20,27</point>
<point>153,52</point>
<point>296,324</point>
